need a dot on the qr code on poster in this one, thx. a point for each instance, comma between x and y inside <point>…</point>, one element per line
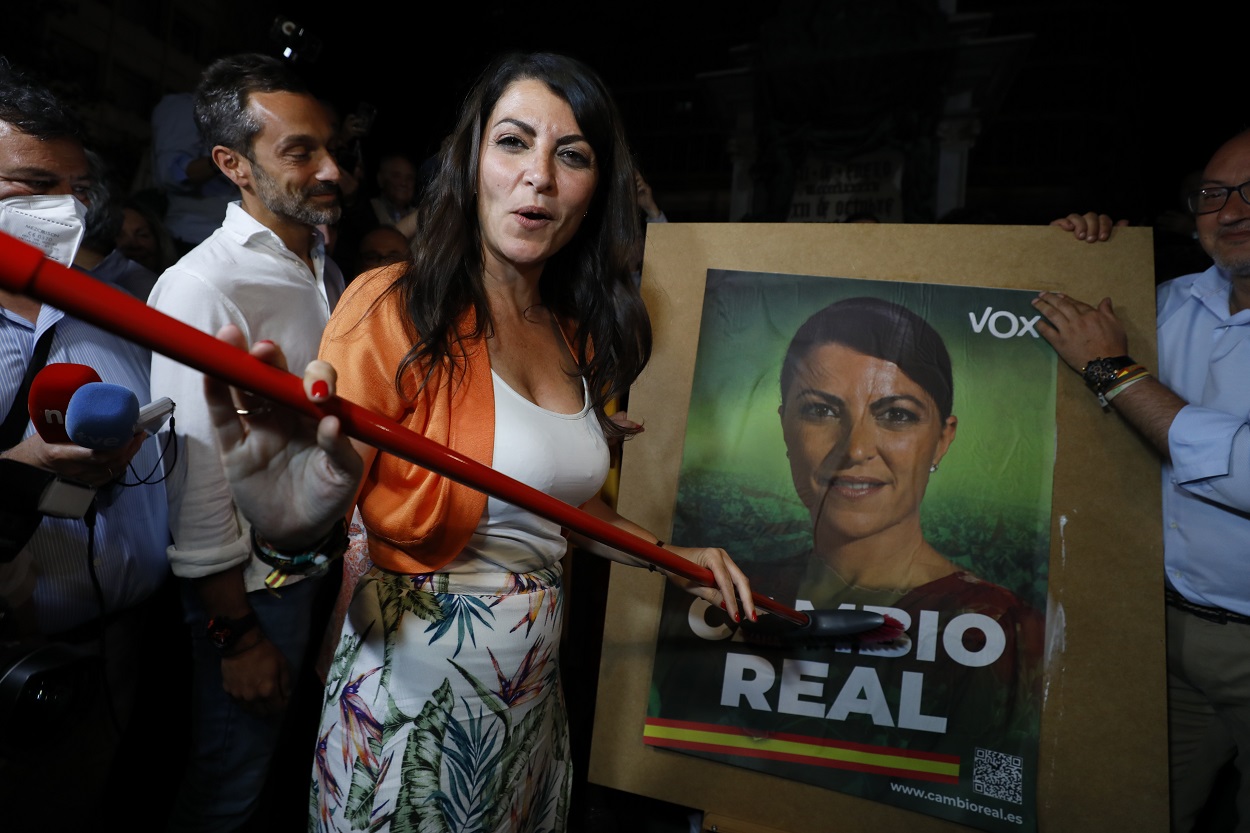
<point>998,775</point>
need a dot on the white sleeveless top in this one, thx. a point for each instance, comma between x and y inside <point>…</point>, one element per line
<point>562,455</point>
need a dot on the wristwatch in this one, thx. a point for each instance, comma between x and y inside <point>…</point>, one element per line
<point>1100,373</point>
<point>224,633</point>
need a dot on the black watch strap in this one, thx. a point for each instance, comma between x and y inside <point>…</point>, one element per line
<point>1100,372</point>
<point>224,633</point>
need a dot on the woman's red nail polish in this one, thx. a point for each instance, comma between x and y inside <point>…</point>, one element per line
<point>320,389</point>
<point>737,617</point>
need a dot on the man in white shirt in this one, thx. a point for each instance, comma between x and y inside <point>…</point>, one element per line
<point>264,270</point>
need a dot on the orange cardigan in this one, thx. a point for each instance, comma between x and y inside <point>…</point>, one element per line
<point>417,520</point>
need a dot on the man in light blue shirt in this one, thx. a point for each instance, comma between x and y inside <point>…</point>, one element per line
<point>86,582</point>
<point>1197,415</point>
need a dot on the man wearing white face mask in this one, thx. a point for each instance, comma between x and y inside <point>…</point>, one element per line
<point>51,222</point>
<point>81,577</point>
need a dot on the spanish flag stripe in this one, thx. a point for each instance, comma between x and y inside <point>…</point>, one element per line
<point>720,729</point>
<point>801,759</point>
<point>817,751</point>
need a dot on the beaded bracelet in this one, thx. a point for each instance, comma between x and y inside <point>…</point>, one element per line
<point>1129,372</point>
<point>314,561</point>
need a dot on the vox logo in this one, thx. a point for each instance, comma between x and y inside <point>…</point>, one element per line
<point>1003,324</point>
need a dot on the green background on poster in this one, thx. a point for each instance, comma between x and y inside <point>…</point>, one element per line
<point>988,508</point>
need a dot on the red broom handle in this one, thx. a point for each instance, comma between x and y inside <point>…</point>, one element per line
<point>25,270</point>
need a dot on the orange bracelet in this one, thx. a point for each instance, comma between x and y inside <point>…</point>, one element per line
<point>1122,386</point>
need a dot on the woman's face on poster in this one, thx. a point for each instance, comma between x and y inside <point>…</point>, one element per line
<point>861,437</point>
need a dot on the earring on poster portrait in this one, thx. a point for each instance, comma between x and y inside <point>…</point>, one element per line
<point>933,468</point>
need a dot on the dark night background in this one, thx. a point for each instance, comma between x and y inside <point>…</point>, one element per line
<point>1079,105</point>
<point>1100,105</point>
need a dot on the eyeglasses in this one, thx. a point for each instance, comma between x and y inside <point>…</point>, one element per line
<point>1213,198</point>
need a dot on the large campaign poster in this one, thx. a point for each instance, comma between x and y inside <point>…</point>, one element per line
<point>877,445</point>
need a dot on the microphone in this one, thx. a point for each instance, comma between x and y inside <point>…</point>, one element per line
<point>102,416</point>
<point>50,393</point>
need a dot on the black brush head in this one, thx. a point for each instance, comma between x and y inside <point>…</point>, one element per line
<point>824,628</point>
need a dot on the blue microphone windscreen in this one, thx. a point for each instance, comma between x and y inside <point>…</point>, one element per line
<point>102,416</point>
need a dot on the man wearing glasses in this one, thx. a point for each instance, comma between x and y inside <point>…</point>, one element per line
<point>1196,413</point>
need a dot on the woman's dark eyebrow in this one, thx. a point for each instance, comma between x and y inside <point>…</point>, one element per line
<point>529,130</point>
<point>817,393</point>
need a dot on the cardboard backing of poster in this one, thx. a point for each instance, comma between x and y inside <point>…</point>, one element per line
<point>1102,749</point>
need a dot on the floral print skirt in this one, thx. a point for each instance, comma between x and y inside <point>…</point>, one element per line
<point>443,709</point>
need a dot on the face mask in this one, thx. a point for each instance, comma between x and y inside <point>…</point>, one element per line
<point>53,224</point>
